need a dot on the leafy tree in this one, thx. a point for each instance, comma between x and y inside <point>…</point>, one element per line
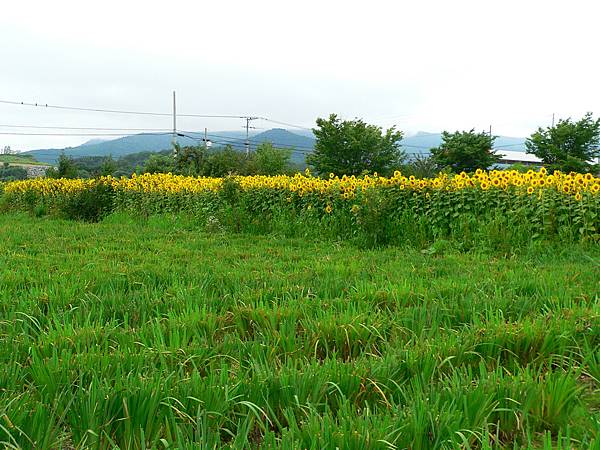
<point>226,161</point>
<point>268,160</point>
<point>567,146</point>
<point>189,160</point>
<point>11,173</point>
<point>66,168</point>
<point>159,164</point>
<point>109,166</point>
<point>465,151</point>
<point>353,147</point>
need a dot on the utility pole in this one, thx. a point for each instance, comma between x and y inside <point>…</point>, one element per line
<point>205,138</point>
<point>248,119</point>
<point>174,121</point>
<point>552,120</point>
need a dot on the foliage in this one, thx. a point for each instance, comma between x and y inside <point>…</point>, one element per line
<point>465,151</point>
<point>109,167</point>
<point>96,166</point>
<point>91,204</point>
<point>498,208</point>
<point>268,160</point>
<point>234,341</point>
<point>353,147</point>
<point>189,160</point>
<point>18,159</point>
<point>421,166</point>
<point>225,161</point>
<point>12,173</point>
<point>519,167</point>
<point>66,168</point>
<point>160,164</point>
<point>568,146</point>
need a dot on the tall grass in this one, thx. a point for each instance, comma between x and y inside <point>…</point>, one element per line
<point>150,333</point>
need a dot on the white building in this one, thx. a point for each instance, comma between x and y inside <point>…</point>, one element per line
<point>512,157</point>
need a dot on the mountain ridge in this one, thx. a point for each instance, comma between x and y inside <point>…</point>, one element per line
<point>299,142</point>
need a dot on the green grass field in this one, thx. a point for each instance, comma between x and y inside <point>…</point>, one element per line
<point>136,333</point>
<point>20,159</point>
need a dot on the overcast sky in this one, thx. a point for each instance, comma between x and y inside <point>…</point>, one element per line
<point>421,65</point>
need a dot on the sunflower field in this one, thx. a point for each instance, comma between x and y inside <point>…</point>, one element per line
<point>502,205</point>
<point>173,312</point>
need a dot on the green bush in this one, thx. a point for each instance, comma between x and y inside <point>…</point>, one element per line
<point>89,205</point>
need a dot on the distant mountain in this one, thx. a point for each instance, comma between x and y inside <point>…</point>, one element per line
<point>300,142</point>
<point>422,142</point>
<point>299,145</point>
<point>93,141</point>
<point>130,144</point>
<point>285,137</point>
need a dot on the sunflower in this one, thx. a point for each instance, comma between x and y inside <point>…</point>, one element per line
<point>328,209</point>
<point>530,190</point>
<point>578,196</point>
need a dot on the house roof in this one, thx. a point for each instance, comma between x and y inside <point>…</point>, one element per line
<point>518,156</point>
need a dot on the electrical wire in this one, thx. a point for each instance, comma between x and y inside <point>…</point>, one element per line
<point>151,113</point>
<point>81,134</point>
<point>118,111</point>
<point>284,123</point>
<point>84,128</point>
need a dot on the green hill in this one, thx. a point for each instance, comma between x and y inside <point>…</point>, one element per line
<point>159,142</point>
<point>19,159</point>
<point>300,141</point>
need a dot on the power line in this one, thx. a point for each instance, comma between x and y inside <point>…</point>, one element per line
<point>284,123</point>
<point>522,144</point>
<point>118,111</point>
<point>150,113</point>
<point>253,141</point>
<point>81,134</point>
<point>83,128</point>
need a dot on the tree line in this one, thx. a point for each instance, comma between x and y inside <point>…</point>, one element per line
<point>354,147</point>
<point>184,160</point>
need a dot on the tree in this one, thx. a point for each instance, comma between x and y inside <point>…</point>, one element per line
<point>226,161</point>
<point>567,146</point>
<point>353,147</point>
<point>465,151</point>
<point>109,166</point>
<point>66,168</point>
<point>11,173</point>
<point>159,164</point>
<point>189,160</point>
<point>268,160</point>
